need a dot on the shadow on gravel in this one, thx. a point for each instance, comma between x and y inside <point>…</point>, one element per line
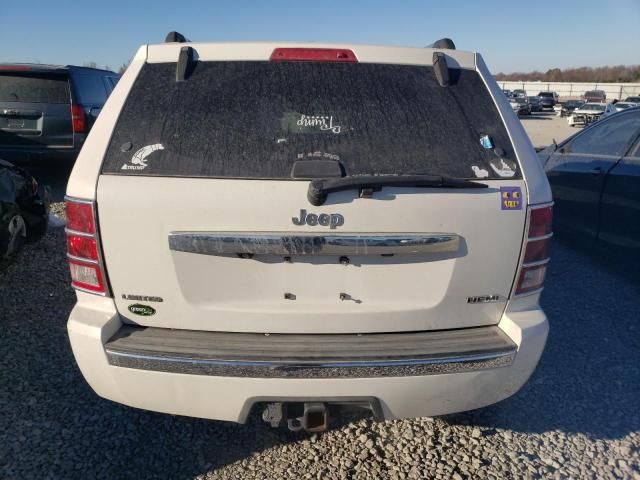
<point>588,380</point>
<point>52,425</point>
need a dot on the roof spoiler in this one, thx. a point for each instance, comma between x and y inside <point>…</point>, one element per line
<point>175,37</point>
<point>444,43</point>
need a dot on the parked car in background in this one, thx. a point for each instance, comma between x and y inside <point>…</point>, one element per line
<point>284,245</point>
<point>46,111</point>
<point>548,99</point>
<point>569,107</point>
<point>635,99</point>
<point>595,96</point>
<point>507,93</point>
<point>595,179</point>
<point>586,114</point>
<point>619,106</point>
<point>535,103</point>
<point>519,93</point>
<point>520,105</point>
<point>24,210</point>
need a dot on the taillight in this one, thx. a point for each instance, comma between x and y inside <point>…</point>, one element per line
<point>83,249</point>
<point>313,55</point>
<point>78,118</point>
<point>536,252</point>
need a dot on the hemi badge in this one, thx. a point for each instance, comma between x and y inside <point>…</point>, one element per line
<point>484,299</point>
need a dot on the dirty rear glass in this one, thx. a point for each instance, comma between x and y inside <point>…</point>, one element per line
<point>256,119</point>
<point>30,88</point>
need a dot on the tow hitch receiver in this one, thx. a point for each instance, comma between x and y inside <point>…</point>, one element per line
<point>308,416</point>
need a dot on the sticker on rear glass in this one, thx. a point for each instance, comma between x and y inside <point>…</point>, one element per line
<point>511,198</point>
<point>323,122</point>
<point>503,168</point>
<point>479,172</point>
<point>139,159</point>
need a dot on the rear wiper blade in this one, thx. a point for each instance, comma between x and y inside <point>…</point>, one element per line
<point>367,184</point>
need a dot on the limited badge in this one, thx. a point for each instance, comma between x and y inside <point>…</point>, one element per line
<point>511,198</point>
<point>143,310</point>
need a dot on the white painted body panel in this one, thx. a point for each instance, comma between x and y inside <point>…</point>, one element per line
<point>204,292</point>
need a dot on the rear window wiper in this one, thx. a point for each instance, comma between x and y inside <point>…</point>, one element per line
<point>367,184</point>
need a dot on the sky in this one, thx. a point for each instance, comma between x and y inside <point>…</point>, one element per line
<point>512,36</point>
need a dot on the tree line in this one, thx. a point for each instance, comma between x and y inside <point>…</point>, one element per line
<point>614,74</point>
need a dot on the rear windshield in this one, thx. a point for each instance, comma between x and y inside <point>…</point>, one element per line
<point>257,119</point>
<point>545,94</point>
<point>30,88</point>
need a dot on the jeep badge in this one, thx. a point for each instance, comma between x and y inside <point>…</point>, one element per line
<point>332,221</point>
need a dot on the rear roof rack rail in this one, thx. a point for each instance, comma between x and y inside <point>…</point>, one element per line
<point>175,37</point>
<point>444,43</point>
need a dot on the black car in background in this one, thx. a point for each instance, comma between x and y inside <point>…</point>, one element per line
<point>24,210</point>
<point>569,106</point>
<point>46,111</point>
<point>535,104</point>
<point>524,108</point>
<point>595,179</point>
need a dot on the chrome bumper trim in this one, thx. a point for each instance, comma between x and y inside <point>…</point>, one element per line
<point>284,243</point>
<point>253,369</point>
<point>310,356</point>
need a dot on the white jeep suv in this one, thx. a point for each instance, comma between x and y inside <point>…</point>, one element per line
<point>301,227</point>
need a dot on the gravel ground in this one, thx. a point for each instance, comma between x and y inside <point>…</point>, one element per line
<point>578,417</point>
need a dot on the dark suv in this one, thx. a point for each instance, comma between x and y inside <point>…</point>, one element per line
<point>46,111</point>
<point>548,99</point>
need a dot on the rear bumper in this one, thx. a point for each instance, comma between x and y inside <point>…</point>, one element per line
<point>309,356</point>
<point>37,155</point>
<point>518,343</point>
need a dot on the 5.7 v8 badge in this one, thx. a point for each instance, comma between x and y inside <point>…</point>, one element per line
<point>333,220</point>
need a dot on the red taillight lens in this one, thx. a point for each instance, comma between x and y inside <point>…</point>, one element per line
<point>80,217</point>
<point>78,118</point>
<point>83,251</point>
<point>540,222</point>
<point>537,250</point>
<point>80,246</point>
<point>531,278</point>
<point>313,55</point>
<point>536,253</point>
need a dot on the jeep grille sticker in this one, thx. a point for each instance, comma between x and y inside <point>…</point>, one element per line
<point>139,159</point>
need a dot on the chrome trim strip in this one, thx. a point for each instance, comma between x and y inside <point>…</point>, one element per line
<point>69,231</point>
<point>535,206</point>
<point>86,290</point>
<point>536,264</point>
<point>332,369</point>
<point>77,200</point>
<point>286,243</point>
<point>532,292</point>
<point>541,237</point>
<point>82,259</point>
